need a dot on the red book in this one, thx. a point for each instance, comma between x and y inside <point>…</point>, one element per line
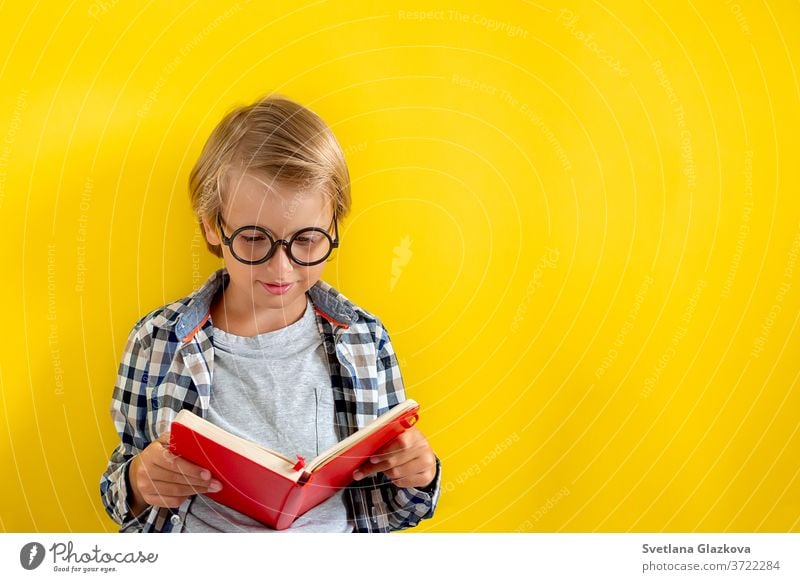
<point>269,487</point>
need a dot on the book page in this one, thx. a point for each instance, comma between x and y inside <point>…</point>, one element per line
<point>253,451</point>
<point>374,425</point>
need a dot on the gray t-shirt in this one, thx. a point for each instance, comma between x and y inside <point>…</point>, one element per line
<point>273,389</point>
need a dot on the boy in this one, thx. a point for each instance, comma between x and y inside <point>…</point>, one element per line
<point>265,348</point>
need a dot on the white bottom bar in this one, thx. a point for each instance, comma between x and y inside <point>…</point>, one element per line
<point>345,557</point>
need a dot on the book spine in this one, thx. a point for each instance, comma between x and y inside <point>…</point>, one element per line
<point>291,506</point>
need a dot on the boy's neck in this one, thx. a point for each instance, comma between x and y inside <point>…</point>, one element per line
<point>249,324</point>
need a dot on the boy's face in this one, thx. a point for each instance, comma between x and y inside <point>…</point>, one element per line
<point>261,290</point>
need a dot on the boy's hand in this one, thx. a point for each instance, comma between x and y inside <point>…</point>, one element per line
<point>408,461</point>
<point>158,477</point>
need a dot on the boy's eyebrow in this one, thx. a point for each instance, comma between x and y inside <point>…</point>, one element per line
<point>269,230</point>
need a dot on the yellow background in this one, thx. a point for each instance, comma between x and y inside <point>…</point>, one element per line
<point>579,222</point>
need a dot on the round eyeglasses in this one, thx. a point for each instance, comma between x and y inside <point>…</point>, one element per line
<point>253,245</point>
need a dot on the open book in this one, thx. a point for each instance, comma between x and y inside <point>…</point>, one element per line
<point>269,487</point>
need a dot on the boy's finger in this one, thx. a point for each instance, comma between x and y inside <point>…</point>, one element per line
<point>409,440</point>
<point>378,463</point>
<point>399,442</point>
<point>169,489</point>
<point>392,458</point>
<point>181,466</point>
<point>202,481</point>
<point>156,473</point>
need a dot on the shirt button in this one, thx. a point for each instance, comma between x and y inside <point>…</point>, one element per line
<point>175,519</point>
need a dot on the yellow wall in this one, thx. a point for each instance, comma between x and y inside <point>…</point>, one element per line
<point>579,222</point>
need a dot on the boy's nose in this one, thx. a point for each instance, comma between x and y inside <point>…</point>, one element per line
<point>280,259</point>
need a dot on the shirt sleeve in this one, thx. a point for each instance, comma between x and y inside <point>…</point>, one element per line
<point>128,411</point>
<point>410,505</point>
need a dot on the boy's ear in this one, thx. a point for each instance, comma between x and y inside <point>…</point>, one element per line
<point>212,236</point>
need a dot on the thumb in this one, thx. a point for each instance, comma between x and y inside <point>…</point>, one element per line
<point>163,438</point>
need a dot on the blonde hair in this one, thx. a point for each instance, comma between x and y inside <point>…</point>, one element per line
<point>276,137</point>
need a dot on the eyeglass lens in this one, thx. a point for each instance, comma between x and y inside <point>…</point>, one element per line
<point>306,246</point>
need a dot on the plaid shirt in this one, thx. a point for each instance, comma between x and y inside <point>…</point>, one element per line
<point>167,365</point>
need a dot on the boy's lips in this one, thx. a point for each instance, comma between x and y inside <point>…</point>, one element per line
<point>278,288</point>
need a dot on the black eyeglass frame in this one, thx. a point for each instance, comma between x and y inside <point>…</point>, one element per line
<point>228,241</point>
